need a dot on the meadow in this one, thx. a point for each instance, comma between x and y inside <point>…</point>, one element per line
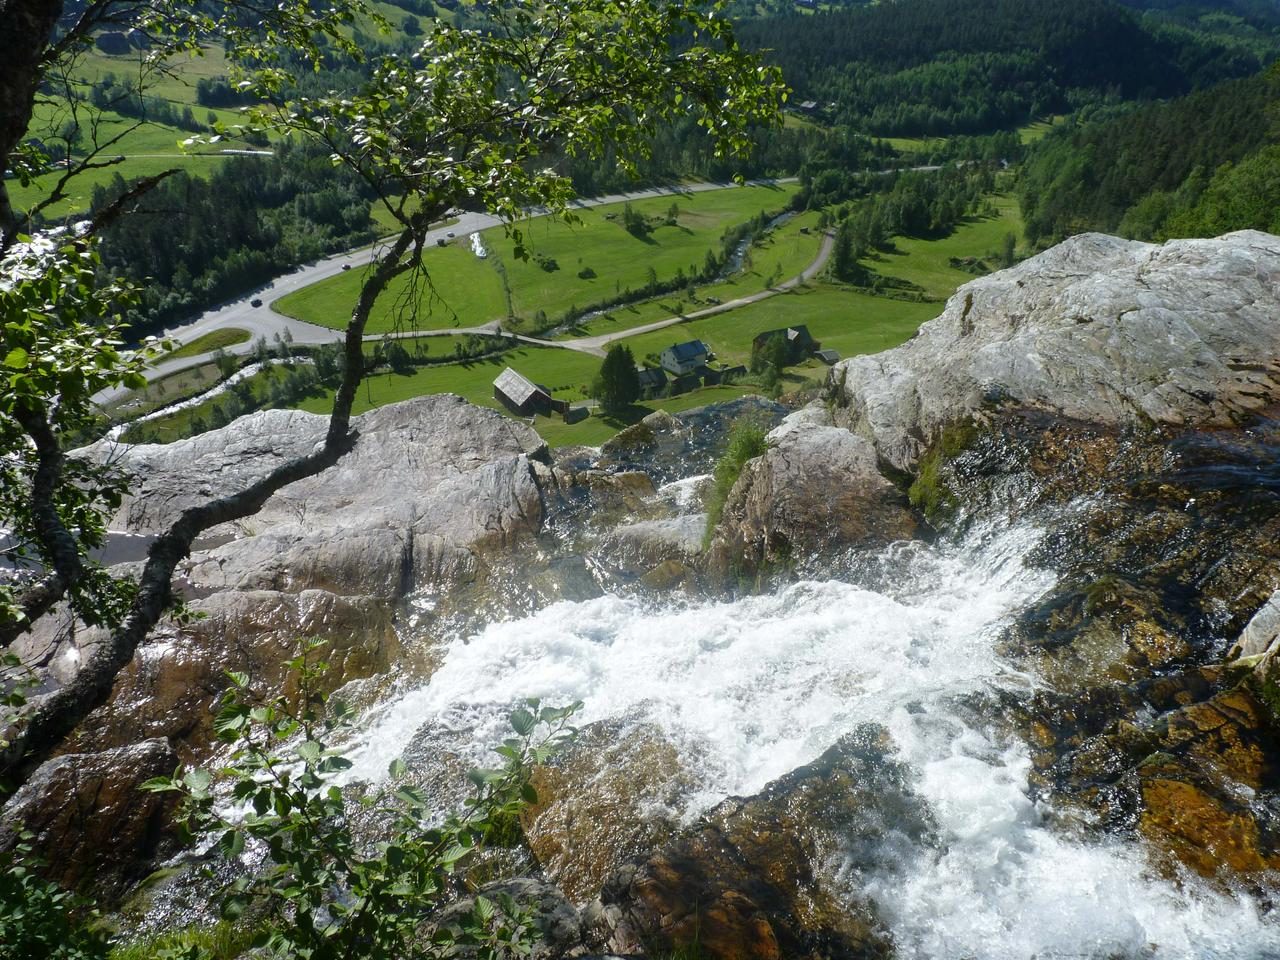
<point>850,320</point>
<point>570,265</point>
<point>145,148</point>
<point>780,255</point>
<point>925,263</point>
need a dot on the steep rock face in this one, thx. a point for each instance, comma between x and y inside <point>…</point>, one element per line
<point>431,483</point>
<point>1096,329</point>
<point>433,490</point>
<point>90,817</point>
<point>169,686</point>
<point>1114,333</point>
<point>817,487</point>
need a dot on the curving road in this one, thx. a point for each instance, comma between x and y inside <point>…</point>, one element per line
<point>263,321</point>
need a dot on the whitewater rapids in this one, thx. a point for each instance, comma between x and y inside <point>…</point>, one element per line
<point>751,689</point>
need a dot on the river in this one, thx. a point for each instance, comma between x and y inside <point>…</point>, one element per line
<point>750,689</point>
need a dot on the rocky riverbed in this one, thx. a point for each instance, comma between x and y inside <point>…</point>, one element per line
<point>981,659</point>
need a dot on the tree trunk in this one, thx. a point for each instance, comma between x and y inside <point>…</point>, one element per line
<point>27,28</point>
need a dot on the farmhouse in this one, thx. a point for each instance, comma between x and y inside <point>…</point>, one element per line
<point>521,395</point>
<point>800,342</point>
<point>681,358</point>
<point>651,378</point>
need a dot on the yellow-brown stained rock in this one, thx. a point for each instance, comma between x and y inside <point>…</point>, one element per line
<point>1158,646</point>
<point>1200,830</point>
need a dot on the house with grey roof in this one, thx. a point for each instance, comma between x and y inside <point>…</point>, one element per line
<point>521,395</point>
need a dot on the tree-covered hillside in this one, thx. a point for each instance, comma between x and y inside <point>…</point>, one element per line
<point>1145,172</point>
<point>933,67</point>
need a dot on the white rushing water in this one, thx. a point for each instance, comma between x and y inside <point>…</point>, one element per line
<point>752,689</point>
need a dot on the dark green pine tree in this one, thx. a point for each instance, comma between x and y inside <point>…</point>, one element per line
<point>618,385</point>
<point>844,263</point>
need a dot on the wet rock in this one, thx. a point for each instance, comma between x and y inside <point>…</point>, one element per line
<point>637,549</point>
<point>175,679</point>
<point>1202,823</point>
<point>91,820</point>
<point>670,448</point>
<point>1262,631</point>
<point>616,496</point>
<point>652,431</point>
<point>754,879</point>
<point>816,489</point>
<point>599,804</point>
<point>430,485</point>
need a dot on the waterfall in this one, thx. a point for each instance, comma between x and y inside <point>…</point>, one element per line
<point>750,689</point>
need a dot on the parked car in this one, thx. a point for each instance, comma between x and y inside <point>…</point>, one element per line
<point>346,266</point>
<point>450,234</point>
<point>256,302</point>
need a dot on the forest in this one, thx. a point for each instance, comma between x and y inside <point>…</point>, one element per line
<point>937,67</point>
<point>196,241</point>
<point>1197,165</point>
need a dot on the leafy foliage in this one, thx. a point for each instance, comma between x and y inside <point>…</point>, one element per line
<point>40,919</point>
<point>746,442</point>
<point>322,894</point>
<point>61,343</point>
<point>473,118</point>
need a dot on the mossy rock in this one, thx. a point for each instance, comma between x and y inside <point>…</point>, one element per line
<point>931,491</point>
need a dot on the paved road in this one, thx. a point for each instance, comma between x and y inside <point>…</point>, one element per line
<point>265,322</point>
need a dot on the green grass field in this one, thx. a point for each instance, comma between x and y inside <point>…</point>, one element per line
<point>217,340</point>
<point>149,148</point>
<point>463,291</point>
<point>782,254</point>
<point>1036,131</point>
<point>843,319</point>
<point>470,291</point>
<point>925,263</point>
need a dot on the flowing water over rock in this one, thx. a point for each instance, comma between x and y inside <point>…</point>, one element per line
<point>949,679</point>
<point>752,689</point>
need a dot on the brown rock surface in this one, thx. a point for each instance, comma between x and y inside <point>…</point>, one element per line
<point>752,879</point>
<point>90,817</point>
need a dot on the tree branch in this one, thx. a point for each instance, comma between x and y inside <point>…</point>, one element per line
<point>58,548</point>
<point>58,714</point>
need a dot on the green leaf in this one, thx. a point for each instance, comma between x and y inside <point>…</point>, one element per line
<point>523,722</point>
<point>232,843</point>
<point>197,781</point>
<point>17,359</point>
<point>396,769</point>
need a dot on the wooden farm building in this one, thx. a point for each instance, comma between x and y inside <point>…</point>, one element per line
<point>651,378</point>
<point>521,395</point>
